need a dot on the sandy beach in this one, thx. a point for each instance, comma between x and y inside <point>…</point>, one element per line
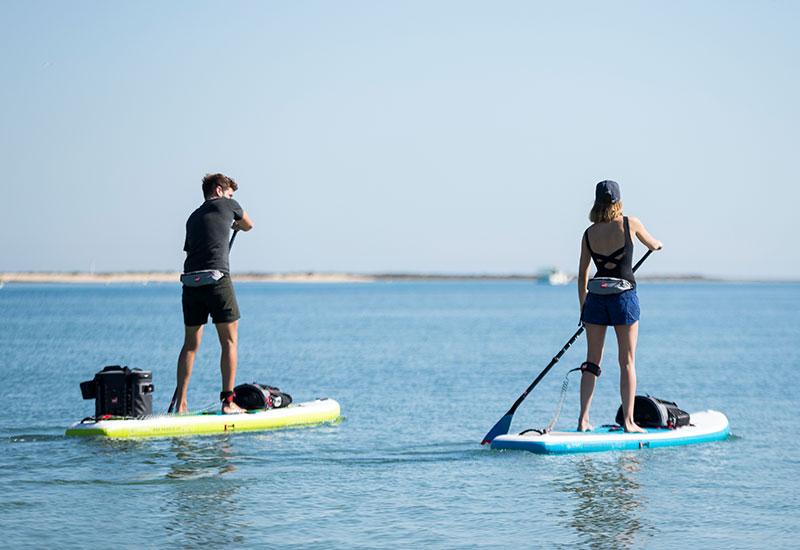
<point>174,277</point>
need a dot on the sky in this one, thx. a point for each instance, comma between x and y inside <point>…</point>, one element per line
<point>431,136</point>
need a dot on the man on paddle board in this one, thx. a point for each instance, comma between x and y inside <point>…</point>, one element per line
<point>609,298</point>
<point>207,286</point>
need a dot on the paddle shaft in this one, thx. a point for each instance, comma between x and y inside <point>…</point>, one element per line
<point>174,401</point>
<point>555,359</point>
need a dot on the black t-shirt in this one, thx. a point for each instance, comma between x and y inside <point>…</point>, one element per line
<point>208,233</point>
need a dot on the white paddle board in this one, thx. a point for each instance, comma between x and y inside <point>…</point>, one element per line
<point>704,427</point>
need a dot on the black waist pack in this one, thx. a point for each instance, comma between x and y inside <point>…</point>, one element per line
<point>652,412</point>
<point>255,396</point>
<point>608,285</point>
<point>201,278</point>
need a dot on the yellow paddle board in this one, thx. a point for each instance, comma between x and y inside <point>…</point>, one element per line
<point>308,413</point>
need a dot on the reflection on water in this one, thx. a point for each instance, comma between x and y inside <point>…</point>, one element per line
<point>205,506</point>
<point>607,511</point>
<point>201,457</point>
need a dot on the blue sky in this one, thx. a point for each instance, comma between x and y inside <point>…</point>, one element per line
<point>404,136</point>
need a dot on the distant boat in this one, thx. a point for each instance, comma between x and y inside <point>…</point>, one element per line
<point>553,276</point>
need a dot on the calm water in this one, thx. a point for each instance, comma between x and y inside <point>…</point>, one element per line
<point>422,371</point>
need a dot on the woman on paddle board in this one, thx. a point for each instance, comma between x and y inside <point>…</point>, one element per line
<point>609,298</point>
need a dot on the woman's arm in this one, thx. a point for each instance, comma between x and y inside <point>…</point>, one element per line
<point>583,272</point>
<point>646,238</point>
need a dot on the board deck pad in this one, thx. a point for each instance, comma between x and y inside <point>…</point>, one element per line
<point>308,413</point>
<point>704,427</point>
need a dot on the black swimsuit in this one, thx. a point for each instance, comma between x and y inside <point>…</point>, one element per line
<point>621,260</point>
<point>613,309</point>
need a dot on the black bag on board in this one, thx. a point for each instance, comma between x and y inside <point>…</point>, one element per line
<point>257,396</point>
<point>120,391</point>
<point>652,412</point>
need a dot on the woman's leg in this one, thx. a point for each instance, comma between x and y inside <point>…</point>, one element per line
<point>595,338</point>
<point>626,340</point>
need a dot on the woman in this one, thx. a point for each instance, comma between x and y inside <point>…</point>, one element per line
<point>610,302</point>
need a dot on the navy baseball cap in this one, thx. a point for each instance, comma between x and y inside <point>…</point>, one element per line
<point>607,192</point>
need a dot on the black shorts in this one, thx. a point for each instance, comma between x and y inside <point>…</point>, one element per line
<point>218,299</point>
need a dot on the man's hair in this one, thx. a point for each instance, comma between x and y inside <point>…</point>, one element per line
<point>605,212</point>
<point>211,181</point>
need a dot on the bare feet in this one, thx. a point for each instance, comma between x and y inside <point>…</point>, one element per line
<point>584,426</point>
<point>632,427</point>
<point>232,408</point>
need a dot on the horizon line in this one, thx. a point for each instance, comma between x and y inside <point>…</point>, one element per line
<point>157,276</point>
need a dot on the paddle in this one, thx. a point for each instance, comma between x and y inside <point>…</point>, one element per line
<point>230,244</point>
<point>504,424</point>
<point>174,401</point>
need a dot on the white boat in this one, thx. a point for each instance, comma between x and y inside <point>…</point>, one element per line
<point>553,276</point>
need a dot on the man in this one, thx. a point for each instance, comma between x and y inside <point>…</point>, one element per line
<point>207,286</point>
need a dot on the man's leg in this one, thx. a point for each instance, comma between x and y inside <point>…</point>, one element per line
<point>191,343</point>
<point>228,340</point>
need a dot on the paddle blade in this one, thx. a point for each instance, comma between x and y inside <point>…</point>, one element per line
<point>501,428</point>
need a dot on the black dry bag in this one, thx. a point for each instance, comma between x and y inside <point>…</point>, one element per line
<point>652,412</point>
<point>120,391</point>
<point>255,396</point>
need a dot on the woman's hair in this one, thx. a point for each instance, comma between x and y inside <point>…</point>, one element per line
<point>605,211</point>
<point>211,181</point>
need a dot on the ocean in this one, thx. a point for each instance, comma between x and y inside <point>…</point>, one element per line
<point>422,370</point>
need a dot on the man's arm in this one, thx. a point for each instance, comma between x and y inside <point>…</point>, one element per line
<point>244,224</point>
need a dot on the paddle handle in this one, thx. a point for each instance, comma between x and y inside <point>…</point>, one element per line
<point>641,260</point>
<point>173,403</point>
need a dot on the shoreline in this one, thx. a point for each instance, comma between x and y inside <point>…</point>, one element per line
<point>146,277</point>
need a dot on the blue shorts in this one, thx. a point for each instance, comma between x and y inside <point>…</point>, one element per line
<point>611,309</point>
